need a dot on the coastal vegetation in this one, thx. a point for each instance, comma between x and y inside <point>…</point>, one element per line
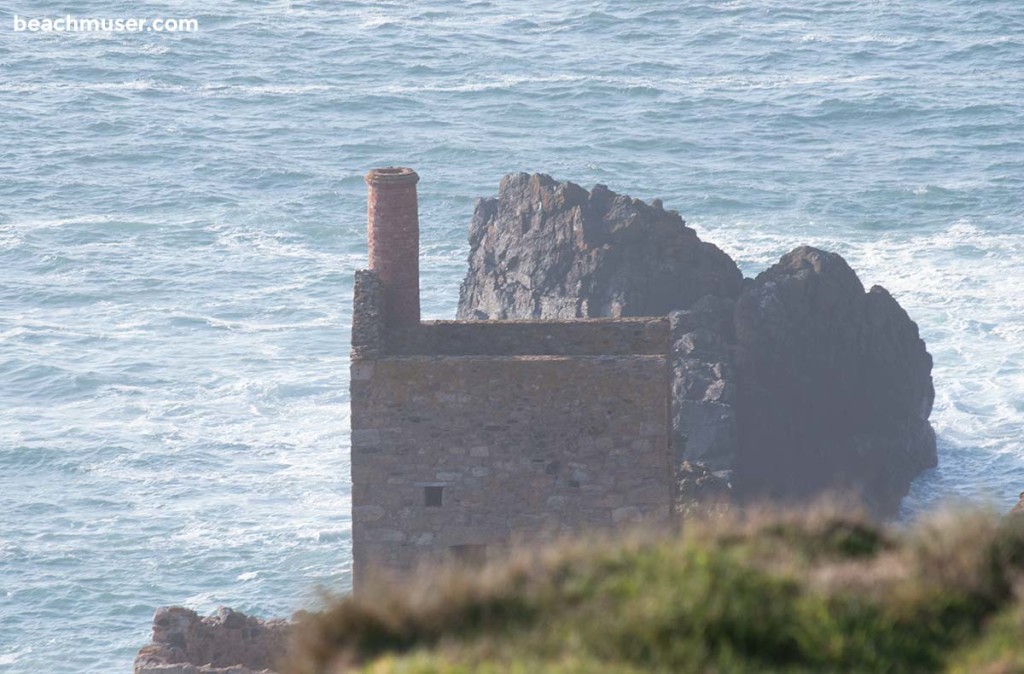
<point>822,590</point>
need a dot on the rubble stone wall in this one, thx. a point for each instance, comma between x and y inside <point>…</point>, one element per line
<point>460,455</point>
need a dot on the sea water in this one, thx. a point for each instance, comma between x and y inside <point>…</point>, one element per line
<point>181,215</point>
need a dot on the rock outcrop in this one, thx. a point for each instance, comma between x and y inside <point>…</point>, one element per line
<point>834,384</point>
<point>702,492</point>
<point>792,384</point>
<point>548,249</point>
<point>225,643</point>
<point>704,385</point>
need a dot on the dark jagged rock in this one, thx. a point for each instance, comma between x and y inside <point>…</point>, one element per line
<point>700,491</point>
<point>228,642</point>
<point>835,385</point>
<point>548,249</point>
<point>704,384</point>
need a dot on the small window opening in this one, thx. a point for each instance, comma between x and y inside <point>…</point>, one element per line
<point>433,497</point>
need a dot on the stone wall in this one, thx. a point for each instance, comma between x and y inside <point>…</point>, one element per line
<point>594,337</point>
<point>458,455</point>
<point>367,315</point>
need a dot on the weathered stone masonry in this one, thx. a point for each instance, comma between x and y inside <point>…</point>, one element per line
<point>468,435</point>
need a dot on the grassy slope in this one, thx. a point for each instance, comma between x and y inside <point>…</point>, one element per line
<point>818,592</point>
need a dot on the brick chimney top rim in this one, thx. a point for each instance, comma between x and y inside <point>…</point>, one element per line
<point>391,175</point>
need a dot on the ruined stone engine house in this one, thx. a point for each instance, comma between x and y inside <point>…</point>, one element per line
<point>469,434</point>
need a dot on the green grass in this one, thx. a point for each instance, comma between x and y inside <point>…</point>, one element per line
<point>818,592</point>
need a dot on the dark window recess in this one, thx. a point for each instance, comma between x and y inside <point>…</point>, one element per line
<point>470,554</point>
<point>433,497</point>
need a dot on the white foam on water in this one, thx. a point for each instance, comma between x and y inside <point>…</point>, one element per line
<point>12,657</point>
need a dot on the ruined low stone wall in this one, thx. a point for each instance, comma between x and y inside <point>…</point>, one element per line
<point>459,455</point>
<point>590,337</point>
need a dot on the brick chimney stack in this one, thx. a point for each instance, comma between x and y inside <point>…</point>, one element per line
<point>393,230</point>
